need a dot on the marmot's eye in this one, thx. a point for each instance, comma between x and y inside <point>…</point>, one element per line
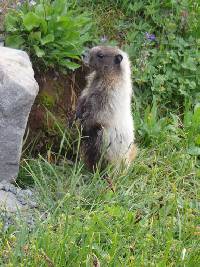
<point>100,55</point>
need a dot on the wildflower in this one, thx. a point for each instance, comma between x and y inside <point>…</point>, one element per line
<point>150,37</point>
<point>183,254</point>
<point>104,39</point>
<point>18,4</point>
<point>32,3</point>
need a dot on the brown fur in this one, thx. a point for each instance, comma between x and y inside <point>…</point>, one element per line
<point>132,153</point>
<point>104,110</point>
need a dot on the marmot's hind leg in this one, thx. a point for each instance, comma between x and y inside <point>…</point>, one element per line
<point>92,146</point>
<point>132,153</point>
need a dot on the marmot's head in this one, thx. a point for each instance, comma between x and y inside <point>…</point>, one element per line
<point>107,59</point>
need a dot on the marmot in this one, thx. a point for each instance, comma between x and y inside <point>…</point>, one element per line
<point>104,110</point>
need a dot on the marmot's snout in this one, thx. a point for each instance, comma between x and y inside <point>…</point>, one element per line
<point>85,57</point>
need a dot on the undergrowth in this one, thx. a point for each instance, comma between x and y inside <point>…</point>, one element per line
<point>152,218</point>
<point>162,39</point>
<point>53,33</point>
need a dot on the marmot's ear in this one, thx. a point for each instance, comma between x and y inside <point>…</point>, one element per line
<point>118,59</point>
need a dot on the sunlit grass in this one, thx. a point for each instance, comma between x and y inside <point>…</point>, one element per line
<point>152,218</point>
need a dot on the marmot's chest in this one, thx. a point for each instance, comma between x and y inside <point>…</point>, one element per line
<point>111,99</point>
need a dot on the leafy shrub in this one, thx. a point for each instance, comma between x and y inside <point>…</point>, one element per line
<point>153,129</point>
<point>162,39</point>
<point>163,44</point>
<point>150,128</point>
<point>50,31</point>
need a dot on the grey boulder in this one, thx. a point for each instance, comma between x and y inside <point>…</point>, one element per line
<point>13,199</point>
<point>18,90</point>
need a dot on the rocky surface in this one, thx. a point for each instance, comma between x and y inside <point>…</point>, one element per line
<point>18,90</point>
<point>13,199</point>
<point>15,204</point>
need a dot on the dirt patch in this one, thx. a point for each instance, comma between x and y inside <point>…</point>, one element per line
<point>55,105</point>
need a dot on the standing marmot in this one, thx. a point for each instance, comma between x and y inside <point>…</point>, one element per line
<point>104,109</point>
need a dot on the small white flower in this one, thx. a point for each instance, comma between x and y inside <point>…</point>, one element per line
<point>183,254</point>
<point>104,39</point>
<point>32,3</point>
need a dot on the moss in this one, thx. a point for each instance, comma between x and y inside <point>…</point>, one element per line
<point>47,100</point>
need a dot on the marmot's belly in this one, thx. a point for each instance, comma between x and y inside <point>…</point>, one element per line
<point>118,142</point>
<point>107,145</point>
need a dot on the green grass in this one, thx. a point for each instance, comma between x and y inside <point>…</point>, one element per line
<point>152,219</point>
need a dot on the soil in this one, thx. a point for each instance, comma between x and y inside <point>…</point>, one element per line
<point>55,103</point>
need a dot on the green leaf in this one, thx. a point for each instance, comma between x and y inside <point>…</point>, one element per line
<point>39,52</point>
<point>189,64</point>
<point>63,24</point>
<point>47,39</point>
<point>11,21</point>
<point>14,41</point>
<point>196,117</point>
<point>59,6</point>
<point>43,26</point>
<point>70,65</point>
<point>197,139</point>
<point>31,20</point>
<point>35,36</point>
<point>40,10</point>
<point>194,150</point>
<point>70,55</point>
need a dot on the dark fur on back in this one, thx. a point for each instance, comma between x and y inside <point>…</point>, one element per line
<point>92,141</point>
<point>92,146</point>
